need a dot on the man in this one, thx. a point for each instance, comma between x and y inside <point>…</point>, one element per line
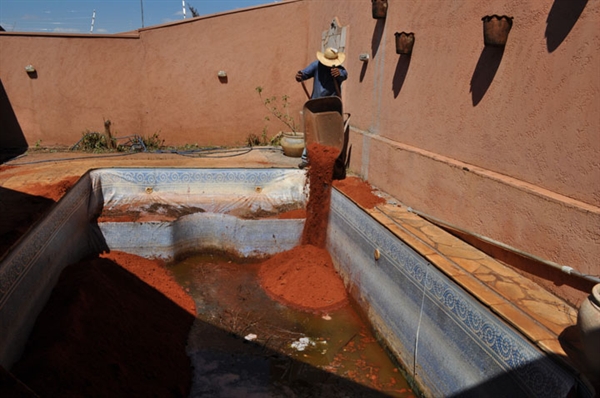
<point>328,74</point>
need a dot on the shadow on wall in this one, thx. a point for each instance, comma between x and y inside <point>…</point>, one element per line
<point>12,140</point>
<point>487,66</point>
<point>377,35</point>
<point>562,17</point>
<point>400,73</point>
<point>363,71</point>
<point>375,42</point>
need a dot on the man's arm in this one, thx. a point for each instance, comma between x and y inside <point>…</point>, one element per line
<point>307,72</point>
<point>339,73</point>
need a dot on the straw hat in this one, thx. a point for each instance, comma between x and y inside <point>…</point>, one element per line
<point>331,57</point>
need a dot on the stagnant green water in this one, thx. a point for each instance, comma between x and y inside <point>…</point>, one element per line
<point>243,343</point>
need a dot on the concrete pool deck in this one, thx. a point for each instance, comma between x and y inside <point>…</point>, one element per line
<point>543,318</point>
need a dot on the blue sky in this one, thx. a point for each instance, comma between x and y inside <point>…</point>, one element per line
<point>112,16</point>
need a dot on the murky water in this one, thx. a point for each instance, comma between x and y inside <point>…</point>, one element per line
<point>245,344</point>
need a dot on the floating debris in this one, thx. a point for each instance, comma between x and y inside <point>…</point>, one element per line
<point>302,343</point>
<point>251,337</point>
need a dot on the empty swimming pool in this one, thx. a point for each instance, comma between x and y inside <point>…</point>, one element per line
<point>445,339</point>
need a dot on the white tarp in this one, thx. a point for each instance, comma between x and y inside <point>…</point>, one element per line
<point>213,190</point>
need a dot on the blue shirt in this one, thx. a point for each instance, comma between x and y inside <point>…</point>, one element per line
<point>323,85</point>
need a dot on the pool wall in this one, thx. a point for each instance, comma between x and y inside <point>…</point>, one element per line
<point>446,340</point>
<point>29,271</point>
<point>217,192</point>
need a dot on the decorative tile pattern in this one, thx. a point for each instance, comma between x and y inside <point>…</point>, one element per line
<point>18,262</point>
<point>463,317</point>
<point>144,177</point>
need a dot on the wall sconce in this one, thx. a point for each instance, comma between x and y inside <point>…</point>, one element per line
<point>379,8</point>
<point>404,42</point>
<point>495,30</point>
<point>222,73</point>
<point>364,57</point>
<point>30,69</point>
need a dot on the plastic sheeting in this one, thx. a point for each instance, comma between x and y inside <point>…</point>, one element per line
<point>213,190</point>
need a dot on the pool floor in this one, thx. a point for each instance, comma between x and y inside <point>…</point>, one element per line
<point>245,344</point>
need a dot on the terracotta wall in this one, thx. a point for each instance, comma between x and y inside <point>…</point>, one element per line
<point>162,79</point>
<point>70,90</point>
<point>503,143</point>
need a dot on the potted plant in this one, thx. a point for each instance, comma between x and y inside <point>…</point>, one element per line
<point>291,141</point>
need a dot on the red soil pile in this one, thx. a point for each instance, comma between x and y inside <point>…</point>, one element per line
<point>5,167</point>
<point>19,210</point>
<point>115,325</point>
<point>360,191</point>
<point>53,191</point>
<point>304,277</point>
<point>320,176</point>
<point>155,274</point>
<point>292,214</point>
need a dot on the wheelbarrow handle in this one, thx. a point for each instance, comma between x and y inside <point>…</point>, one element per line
<point>337,87</point>
<point>305,89</point>
<point>347,121</point>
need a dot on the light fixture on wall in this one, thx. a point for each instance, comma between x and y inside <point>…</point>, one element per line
<point>222,75</point>
<point>404,42</point>
<point>364,57</point>
<point>30,68</point>
<point>495,29</point>
<point>379,8</point>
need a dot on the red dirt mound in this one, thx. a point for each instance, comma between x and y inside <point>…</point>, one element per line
<point>109,329</point>
<point>304,278</point>
<point>360,191</point>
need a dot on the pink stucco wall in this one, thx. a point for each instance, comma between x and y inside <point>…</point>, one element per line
<point>161,80</point>
<point>502,143</point>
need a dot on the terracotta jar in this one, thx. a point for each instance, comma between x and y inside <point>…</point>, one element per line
<point>379,8</point>
<point>495,30</point>
<point>588,321</point>
<point>292,144</point>
<point>404,42</point>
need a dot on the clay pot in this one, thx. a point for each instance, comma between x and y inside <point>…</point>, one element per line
<point>379,8</point>
<point>495,30</point>
<point>588,321</point>
<point>404,42</point>
<point>292,144</point>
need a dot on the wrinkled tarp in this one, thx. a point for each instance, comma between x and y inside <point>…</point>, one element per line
<point>213,190</point>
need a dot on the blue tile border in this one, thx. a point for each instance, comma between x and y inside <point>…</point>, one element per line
<point>18,262</point>
<point>507,351</point>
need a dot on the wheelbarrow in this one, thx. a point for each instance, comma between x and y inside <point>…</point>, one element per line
<point>324,124</point>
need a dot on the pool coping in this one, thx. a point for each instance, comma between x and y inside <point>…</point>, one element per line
<point>517,300</point>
